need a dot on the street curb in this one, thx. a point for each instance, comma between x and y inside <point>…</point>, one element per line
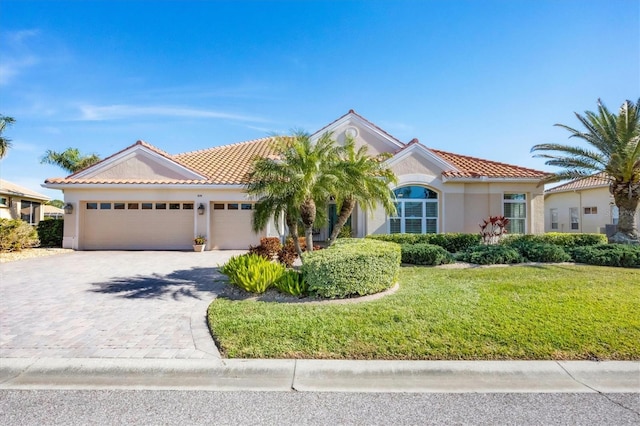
<point>322,375</point>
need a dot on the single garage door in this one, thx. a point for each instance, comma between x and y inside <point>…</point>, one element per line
<point>128,225</point>
<point>231,226</point>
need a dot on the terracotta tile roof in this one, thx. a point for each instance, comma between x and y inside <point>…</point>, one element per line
<point>77,181</point>
<point>594,181</point>
<point>472,167</point>
<point>228,164</point>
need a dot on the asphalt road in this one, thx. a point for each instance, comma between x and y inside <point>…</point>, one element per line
<point>110,407</point>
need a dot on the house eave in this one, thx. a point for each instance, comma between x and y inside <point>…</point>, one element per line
<point>486,179</point>
<point>63,186</point>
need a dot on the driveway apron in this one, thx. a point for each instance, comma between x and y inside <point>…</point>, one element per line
<point>109,304</point>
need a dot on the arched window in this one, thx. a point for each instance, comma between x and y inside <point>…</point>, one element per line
<point>417,211</point>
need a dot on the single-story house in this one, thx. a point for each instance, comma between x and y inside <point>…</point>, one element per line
<point>52,212</point>
<point>144,198</point>
<point>18,202</point>
<point>581,205</point>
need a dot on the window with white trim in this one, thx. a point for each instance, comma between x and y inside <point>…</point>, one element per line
<point>554,218</point>
<point>515,209</point>
<point>30,212</point>
<point>417,211</point>
<point>590,210</point>
<point>575,218</point>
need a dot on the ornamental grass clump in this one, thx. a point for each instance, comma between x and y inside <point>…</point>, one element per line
<point>352,267</point>
<point>252,272</point>
<point>292,282</point>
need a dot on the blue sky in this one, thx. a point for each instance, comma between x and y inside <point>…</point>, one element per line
<point>481,78</point>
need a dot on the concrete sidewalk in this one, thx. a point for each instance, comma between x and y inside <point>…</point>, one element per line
<point>321,375</point>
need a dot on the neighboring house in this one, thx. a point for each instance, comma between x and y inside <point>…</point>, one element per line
<point>18,202</point>
<point>52,212</point>
<point>581,205</point>
<point>145,198</point>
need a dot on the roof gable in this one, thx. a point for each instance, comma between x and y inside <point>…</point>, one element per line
<point>363,131</point>
<point>421,154</point>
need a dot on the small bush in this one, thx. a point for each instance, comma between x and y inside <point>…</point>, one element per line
<point>345,232</point>
<point>621,255</point>
<point>288,254</point>
<point>451,242</point>
<point>352,266</point>
<point>50,232</point>
<point>540,252</point>
<point>16,234</point>
<point>490,255</point>
<point>425,254</point>
<point>252,273</point>
<point>292,282</point>
<point>268,248</point>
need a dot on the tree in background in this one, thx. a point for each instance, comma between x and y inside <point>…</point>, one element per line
<point>613,147</point>
<point>5,143</point>
<point>70,159</point>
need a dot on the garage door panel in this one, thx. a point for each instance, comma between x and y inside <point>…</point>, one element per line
<point>136,229</point>
<point>231,229</point>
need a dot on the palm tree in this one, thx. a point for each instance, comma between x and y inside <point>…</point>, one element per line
<point>364,181</point>
<point>70,159</point>
<point>5,143</point>
<point>613,148</point>
<point>296,183</point>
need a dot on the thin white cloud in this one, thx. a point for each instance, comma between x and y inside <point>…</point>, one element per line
<point>114,112</point>
<point>16,55</point>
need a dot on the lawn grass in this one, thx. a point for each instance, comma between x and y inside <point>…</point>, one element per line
<point>555,312</point>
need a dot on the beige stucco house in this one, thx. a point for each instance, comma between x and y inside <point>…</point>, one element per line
<point>145,198</point>
<point>18,202</point>
<point>581,205</point>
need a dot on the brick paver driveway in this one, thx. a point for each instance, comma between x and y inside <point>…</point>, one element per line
<point>109,304</point>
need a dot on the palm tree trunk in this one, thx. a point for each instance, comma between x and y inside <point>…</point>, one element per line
<point>292,224</point>
<point>308,216</point>
<point>626,198</point>
<point>345,211</point>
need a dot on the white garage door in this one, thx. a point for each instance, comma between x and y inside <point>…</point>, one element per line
<point>157,225</point>
<point>231,226</point>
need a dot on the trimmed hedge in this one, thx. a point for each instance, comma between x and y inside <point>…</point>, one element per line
<point>50,232</point>
<point>451,242</point>
<point>621,255</point>
<point>352,266</point>
<point>16,234</point>
<point>540,252</point>
<point>557,238</point>
<point>425,254</point>
<point>491,255</point>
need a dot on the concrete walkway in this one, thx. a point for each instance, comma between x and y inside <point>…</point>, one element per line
<point>136,320</point>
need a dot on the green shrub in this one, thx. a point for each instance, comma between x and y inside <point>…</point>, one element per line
<point>425,254</point>
<point>622,255</point>
<point>345,232</point>
<point>16,234</point>
<point>558,239</point>
<point>491,255</point>
<point>352,266</point>
<point>540,252</point>
<point>451,242</point>
<point>50,232</point>
<point>252,272</point>
<point>292,282</point>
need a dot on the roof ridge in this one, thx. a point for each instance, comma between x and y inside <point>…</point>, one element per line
<point>199,151</point>
<point>353,112</point>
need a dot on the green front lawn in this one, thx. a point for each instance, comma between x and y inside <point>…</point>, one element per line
<point>522,312</point>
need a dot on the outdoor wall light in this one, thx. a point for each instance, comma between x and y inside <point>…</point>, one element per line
<point>68,208</point>
<point>200,209</point>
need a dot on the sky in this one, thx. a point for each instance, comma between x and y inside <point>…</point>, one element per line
<point>482,78</point>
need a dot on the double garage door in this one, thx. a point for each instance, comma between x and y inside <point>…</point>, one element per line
<point>161,225</point>
<point>134,225</point>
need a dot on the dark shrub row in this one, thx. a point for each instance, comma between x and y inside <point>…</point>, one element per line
<point>50,232</point>
<point>425,254</point>
<point>558,239</point>
<point>451,242</point>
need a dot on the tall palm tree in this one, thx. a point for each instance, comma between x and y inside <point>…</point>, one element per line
<point>5,143</point>
<point>613,148</point>
<point>70,159</point>
<point>296,184</point>
<point>364,181</point>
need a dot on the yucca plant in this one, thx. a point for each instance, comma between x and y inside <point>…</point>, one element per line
<point>252,273</point>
